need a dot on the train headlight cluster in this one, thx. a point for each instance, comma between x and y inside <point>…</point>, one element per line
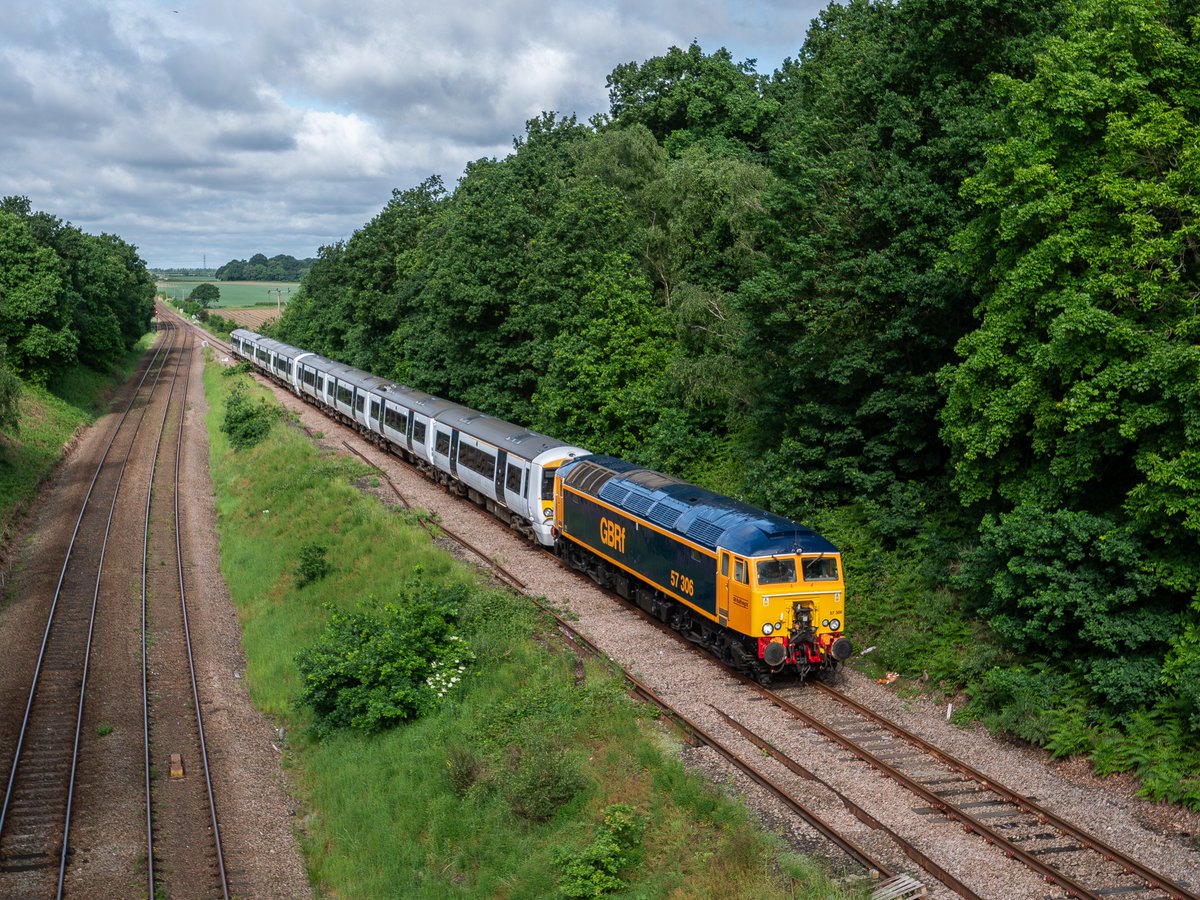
<point>768,628</point>
<point>832,624</point>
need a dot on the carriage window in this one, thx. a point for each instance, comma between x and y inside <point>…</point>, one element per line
<point>344,394</point>
<point>513,481</point>
<point>777,571</point>
<point>822,568</point>
<point>419,433</point>
<point>477,460</point>
<point>374,409</point>
<point>442,445</point>
<point>310,377</point>
<point>359,402</point>
<point>394,419</point>
<point>321,383</point>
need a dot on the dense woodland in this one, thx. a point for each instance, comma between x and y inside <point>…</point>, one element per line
<point>66,298</point>
<point>259,268</point>
<point>931,286</point>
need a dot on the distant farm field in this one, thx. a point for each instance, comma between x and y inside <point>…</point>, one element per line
<point>251,318</point>
<point>235,294</point>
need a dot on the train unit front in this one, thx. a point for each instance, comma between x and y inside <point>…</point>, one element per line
<point>762,592</point>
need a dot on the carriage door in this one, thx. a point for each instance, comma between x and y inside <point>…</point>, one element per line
<point>501,468</point>
<point>723,590</point>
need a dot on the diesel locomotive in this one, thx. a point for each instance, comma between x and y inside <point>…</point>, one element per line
<point>764,594</point>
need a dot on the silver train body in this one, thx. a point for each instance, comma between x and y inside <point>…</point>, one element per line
<point>503,467</point>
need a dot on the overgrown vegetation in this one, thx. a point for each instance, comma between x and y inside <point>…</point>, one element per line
<point>930,285</point>
<point>31,448</point>
<point>247,420</point>
<point>509,783</point>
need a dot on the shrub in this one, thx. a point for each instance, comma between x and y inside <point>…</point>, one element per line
<point>543,779</point>
<point>593,871</point>
<point>371,670</point>
<point>313,565</point>
<point>247,421</point>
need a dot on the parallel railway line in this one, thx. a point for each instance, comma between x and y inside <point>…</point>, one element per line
<point>35,818</point>
<point>68,808</point>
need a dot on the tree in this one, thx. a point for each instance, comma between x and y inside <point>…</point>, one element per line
<point>205,294</point>
<point>1075,407</point>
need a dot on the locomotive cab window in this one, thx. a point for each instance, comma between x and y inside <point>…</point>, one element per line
<point>823,568</point>
<point>548,484</point>
<point>777,571</point>
<point>741,572</point>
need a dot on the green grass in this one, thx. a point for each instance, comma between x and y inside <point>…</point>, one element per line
<point>427,809</point>
<point>48,418</point>
<point>234,294</point>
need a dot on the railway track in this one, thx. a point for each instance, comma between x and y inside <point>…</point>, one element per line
<point>183,838</point>
<point>36,816</point>
<point>69,822</point>
<point>1063,853</point>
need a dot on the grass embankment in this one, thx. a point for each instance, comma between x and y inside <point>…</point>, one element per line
<point>537,776</point>
<point>49,417</point>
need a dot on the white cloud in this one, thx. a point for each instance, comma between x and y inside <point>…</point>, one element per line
<point>230,127</point>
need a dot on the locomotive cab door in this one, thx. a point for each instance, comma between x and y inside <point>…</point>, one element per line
<point>723,590</point>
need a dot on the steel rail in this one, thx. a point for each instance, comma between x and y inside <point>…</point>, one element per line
<point>50,619</point>
<point>87,653</point>
<point>145,685</point>
<point>1089,841</point>
<point>910,850</point>
<point>187,634</point>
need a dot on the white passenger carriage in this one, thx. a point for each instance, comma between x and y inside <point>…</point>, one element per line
<point>506,468</point>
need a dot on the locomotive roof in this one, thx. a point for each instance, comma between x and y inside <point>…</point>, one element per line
<point>701,516</point>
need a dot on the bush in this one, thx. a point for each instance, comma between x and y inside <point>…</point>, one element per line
<point>543,779</point>
<point>247,421</point>
<point>593,871</point>
<point>373,670</point>
<point>313,565</point>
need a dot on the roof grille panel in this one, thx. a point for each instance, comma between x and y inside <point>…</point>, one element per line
<point>664,514</point>
<point>638,502</point>
<point>705,532</point>
<point>614,493</point>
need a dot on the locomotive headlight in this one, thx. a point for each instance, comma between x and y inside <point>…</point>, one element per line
<point>824,623</point>
<point>548,511</point>
<point>768,628</point>
<point>835,624</point>
<point>779,626</point>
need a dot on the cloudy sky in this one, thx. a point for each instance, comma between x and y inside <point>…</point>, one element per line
<point>223,128</point>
